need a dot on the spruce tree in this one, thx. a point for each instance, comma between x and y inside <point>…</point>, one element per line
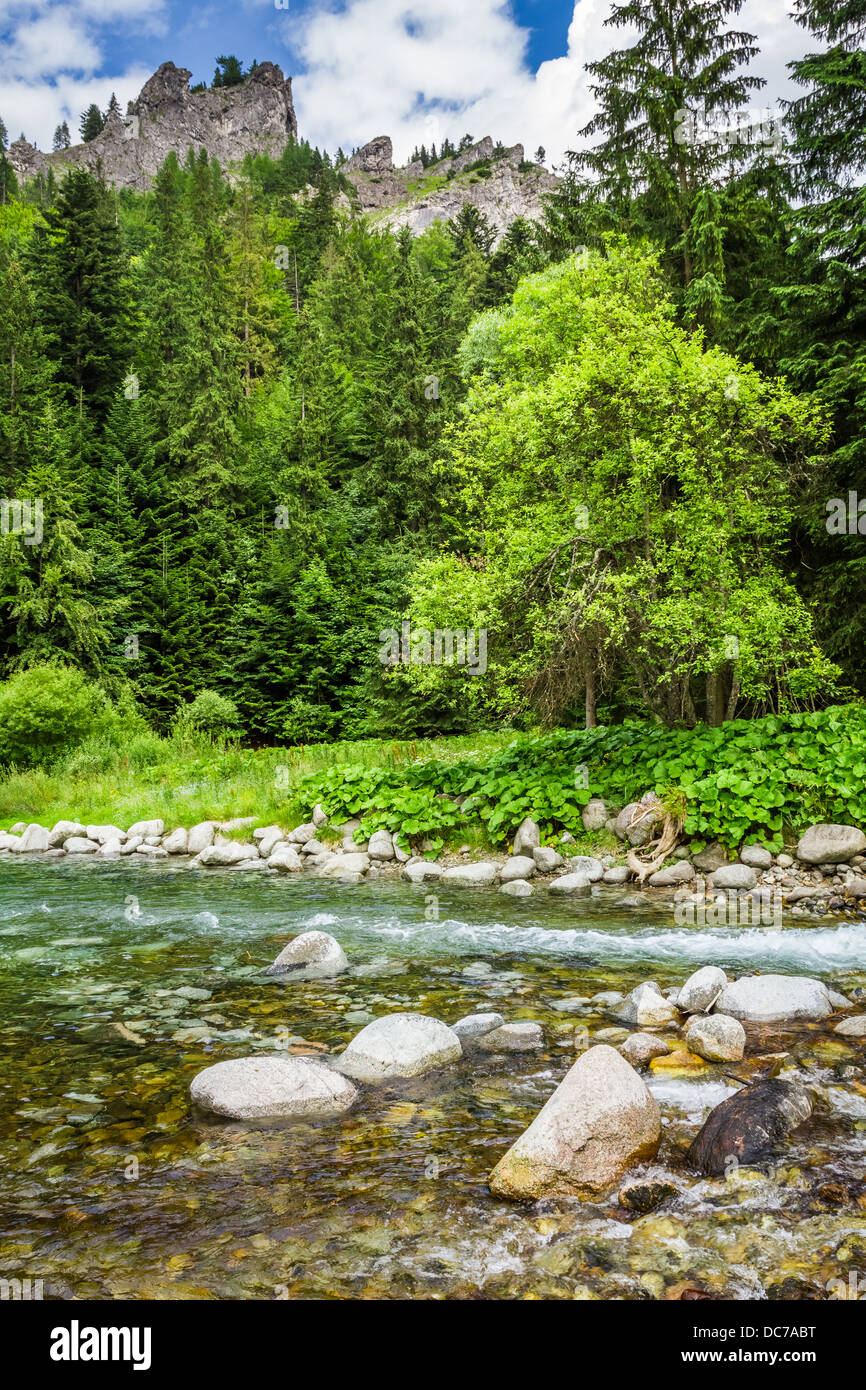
<point>92,123</point>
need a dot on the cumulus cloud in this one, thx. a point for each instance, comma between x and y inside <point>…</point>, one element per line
<point>53,55</point>
<point>421,72</point>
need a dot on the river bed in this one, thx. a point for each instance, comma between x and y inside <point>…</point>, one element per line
<point>115,1188</point>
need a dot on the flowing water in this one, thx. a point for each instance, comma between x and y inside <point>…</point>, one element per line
<point>115,1188</point>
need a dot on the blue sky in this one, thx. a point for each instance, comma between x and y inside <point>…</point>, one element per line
<point>413,69</point>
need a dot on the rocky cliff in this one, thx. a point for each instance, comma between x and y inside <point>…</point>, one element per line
<point>229,122</point>
<point>502,184</point>
<point>258,117</point>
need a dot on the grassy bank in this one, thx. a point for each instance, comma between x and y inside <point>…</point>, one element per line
<point>185,779</point>
<point>764,779</point>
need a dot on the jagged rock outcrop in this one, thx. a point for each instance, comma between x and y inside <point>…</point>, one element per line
<point>229,122</point>
<point>415,198</point>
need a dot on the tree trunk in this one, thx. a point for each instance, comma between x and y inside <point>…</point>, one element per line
<point>714,699</point>
<point>591,720</point>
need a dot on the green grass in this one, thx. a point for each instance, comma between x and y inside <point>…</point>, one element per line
<point>184,781</point>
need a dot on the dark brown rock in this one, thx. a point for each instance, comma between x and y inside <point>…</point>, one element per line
<point>749,1126</point>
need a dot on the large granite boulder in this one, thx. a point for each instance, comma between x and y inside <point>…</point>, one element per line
<point>600,1118</point>
<point>263,1088</point>
<point>771,998</point>
<point>399,1045</point>
<point>313,955</point>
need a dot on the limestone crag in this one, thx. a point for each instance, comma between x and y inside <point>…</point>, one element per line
<point>229,122</point>
<point>503,189</point>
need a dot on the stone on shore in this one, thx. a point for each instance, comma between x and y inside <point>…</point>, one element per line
<point>101,833</point>
<point>312,955</point>
<point>200,837</point>
<point>645,1006</point>
<point>756,856</point>
<point>713,856</point>
<point>218,856</point>
<point>177,842</point>
<point>749,1126</point>
<point>421,870</point>
<point>518,866</point>
<point>701,990</point>
<point>600,1118</point>
<point>285,857</point>
<point>523,1036</point>
<point>145,828</point>
<point>260,1088</point>
<point>267,837</point>
<point>79,844</point>
<point>671,875</point>
<point>594,814</point>
<point>345,866</point>
<point>62,831</point>
<point>35,839</point>
<point>481,873</point>
<point>399,1045</point>
<point>617,873</point>
<point>528,837</point>
<point>475,1026</point>
<point>717,1037</point>
<point>301,834</point>
<point>588,865</point>
<point>130,844</point>
<point>570,883</point>
<point>517,888</point>
<point>830,844</point>
<point>381,845</point>
<point>546,860</point>
<point>769,998</point>
<point>733,876</point>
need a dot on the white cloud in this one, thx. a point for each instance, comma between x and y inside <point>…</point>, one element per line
<point>418,71</point>
<point>52,52</point>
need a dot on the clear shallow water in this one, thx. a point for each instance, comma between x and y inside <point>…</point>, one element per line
<point>115,1188</point>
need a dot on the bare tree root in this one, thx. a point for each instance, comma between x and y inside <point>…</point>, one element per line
<point>654,854</point>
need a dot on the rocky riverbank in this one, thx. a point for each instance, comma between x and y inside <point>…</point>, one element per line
<point>824,874</point>
<point>602,1119</point>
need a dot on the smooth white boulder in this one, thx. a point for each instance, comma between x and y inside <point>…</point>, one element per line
<point>854,1027</point>
<point>101,833</point>
<point>518,866</point>
<point>586,864</point>
<point>481,873</point>
<point>645,1006</point>
<point>285,857</point>
<point>110,849</point>
<point>474,1026</point>
<point>733,876</point>
<point>522,1036</point>
<point>78,844</point>
<point>35,839</point>
<point>61,832</point>
<point>261,1088</point>
<point>402,1044</point>
<point>570,883</point>
<point>201,836</point>
<point>345,865</point>
<point>766,998</point>
<point>217,856</point>
<point>546,860</point>
<point>421,870</point>
<point>301,834</point>
<point>177,842</point>
<point>131,844</point>
<point>756,856</point>
<point>830,844</point>
<point>381,845</point>
<point>147,827</point>
<point>517,888</point>
<point>528,837</point>
<point>312,955</point>
<point>701,990</point>
<point>716,1037</point>
<point>600,1118</point>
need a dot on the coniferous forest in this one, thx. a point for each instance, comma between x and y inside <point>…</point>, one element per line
<point>263,430</point>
